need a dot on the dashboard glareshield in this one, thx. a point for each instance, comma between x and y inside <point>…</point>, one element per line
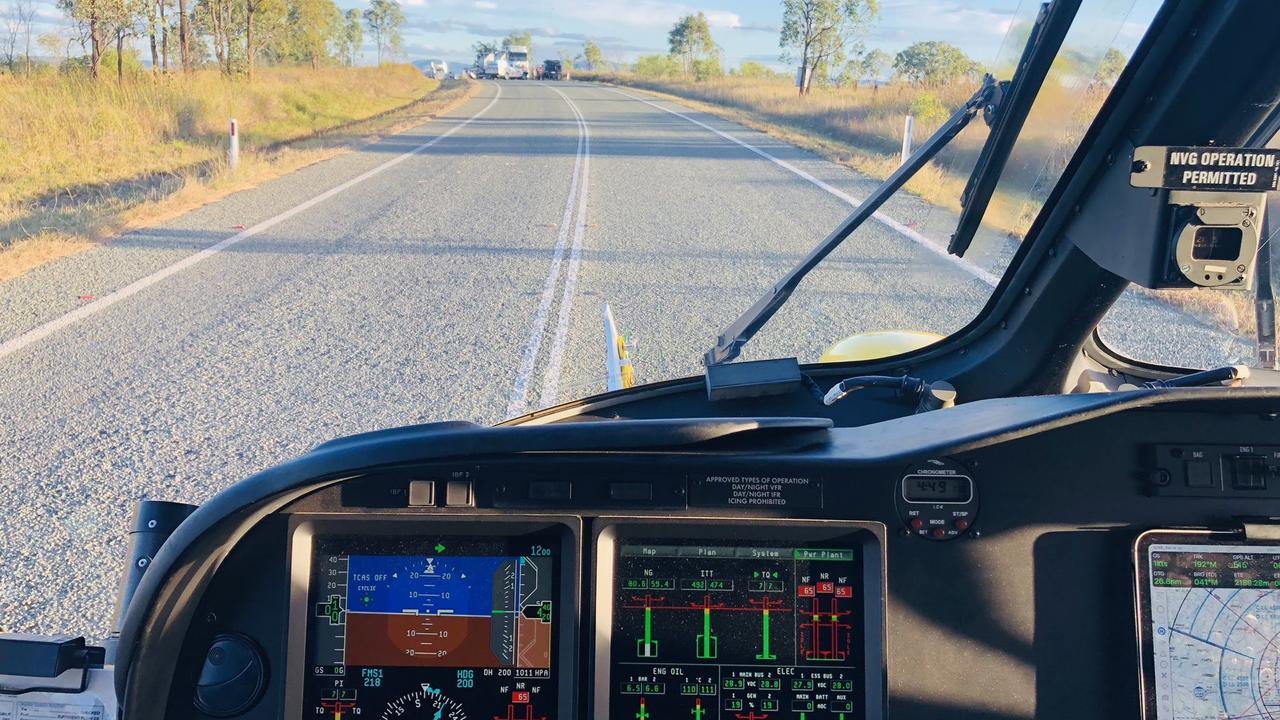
<point>1208,625</point>
<point>437,621</point>
<point>724,621</point>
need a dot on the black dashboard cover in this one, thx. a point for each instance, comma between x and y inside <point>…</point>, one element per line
<point>157,618</point>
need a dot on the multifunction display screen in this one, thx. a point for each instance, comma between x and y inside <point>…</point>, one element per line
<point>1215,630</point>
<point>439,628</point>
<point>736,631</point>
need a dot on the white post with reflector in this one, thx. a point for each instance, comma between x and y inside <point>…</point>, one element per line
<point>907,128</point>
<point>233,150</point>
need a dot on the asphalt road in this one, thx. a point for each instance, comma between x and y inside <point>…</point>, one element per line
<point>455,271</point>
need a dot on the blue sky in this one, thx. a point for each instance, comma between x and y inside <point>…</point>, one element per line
<point>745,29</point>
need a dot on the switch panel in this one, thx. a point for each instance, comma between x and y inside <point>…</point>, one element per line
<point>1245,471</point>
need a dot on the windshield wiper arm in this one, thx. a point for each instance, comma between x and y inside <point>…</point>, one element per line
<point>730,342</point>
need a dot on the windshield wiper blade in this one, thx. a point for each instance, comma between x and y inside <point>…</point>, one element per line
<point>1052,23</point>
<point>730,342</point>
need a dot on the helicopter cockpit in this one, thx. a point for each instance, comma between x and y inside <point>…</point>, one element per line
<point>1010,522</point>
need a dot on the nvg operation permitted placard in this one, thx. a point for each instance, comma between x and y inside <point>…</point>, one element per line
<point>1221,169</point>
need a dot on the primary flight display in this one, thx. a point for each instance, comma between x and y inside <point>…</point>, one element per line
<point>446,628</point>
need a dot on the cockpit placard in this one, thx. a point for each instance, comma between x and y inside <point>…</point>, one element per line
<point>1220,169</point>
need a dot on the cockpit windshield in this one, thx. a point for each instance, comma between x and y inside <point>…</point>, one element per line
<point>826,150</point>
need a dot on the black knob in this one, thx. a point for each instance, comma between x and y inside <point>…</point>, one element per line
<point>233,677</point>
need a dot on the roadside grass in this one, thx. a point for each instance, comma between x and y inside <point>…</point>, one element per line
<point>90,160</point>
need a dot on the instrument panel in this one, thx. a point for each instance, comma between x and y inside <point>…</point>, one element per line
<point>468,622</point>
<point>999,583</point>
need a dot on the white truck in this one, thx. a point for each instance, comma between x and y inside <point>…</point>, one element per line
<point>518,61</point>
<point>439,69</point>
<point>507,64</point>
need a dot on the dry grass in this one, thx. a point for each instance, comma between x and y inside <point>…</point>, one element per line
<point>290,118</point>
<point>66,131</point>
<point>22,256</point>
<point>1231,310</point>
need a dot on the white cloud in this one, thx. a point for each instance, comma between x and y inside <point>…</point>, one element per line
<point>641,14</point>
<point>973,19</point>
<point>485,5</point>
<point>723,19</point>
<point>978,30</point>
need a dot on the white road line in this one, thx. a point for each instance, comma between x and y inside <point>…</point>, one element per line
<point>39,333</point>
<point>889,222</point>
<point>555,361</point>
<point>517,404</point>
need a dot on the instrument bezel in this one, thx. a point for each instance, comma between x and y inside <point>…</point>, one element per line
<point>303,529</point>
<point>608,531</point>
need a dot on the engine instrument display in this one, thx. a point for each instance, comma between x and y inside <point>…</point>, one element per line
<point>750,629</point>
<point>1212,629</point>
<point>446,627</point>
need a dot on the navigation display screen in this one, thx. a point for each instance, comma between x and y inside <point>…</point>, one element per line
<point>709,630</point>
<point>1214,630</point>
<point>438,628</point>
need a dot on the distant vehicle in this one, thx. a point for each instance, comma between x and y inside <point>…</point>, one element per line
<point>554,70</point>
<point>518,61</point>
<point>438,69</point>
<point>507,64</point>
<point>495,66</point>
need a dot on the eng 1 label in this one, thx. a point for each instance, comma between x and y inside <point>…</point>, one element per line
<point>1206,168</point>
<point>789,492</point>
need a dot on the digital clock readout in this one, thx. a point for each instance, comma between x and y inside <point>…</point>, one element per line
<point>936,488</point>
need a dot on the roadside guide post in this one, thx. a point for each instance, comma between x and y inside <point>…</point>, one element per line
<point>907,127</point>
<point>233,150</point>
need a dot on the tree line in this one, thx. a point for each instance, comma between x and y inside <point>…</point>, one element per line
<point>233,35</point>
